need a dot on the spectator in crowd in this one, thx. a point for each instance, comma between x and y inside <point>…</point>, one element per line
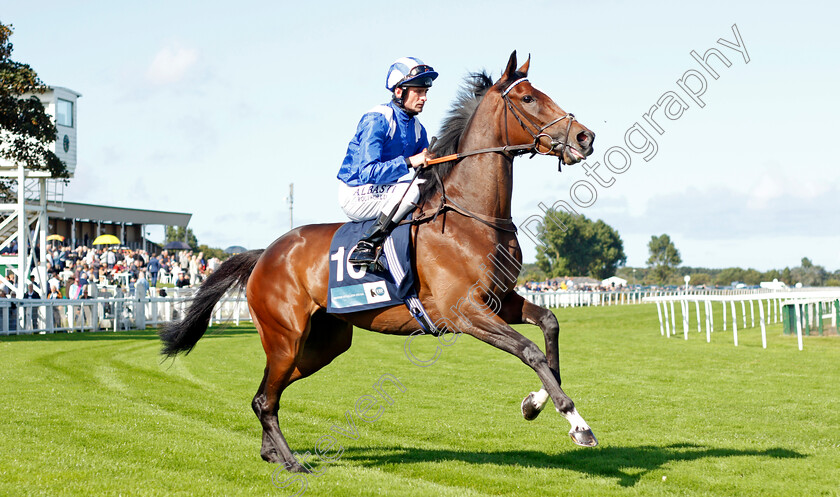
<point>56,310</point>
<point>193,267</point>
<point>154,268</point>
<point>33,311</point>
<point>109,258</point>
<point>11,286</point>
<point>175,269</point>
<point>13,311</point>
<point>74,290</point>
<point>31,293</point>
<point>54,282</point>
<point>182,281</point>
<point>142,285</point>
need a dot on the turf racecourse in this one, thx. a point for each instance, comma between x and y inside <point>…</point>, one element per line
<point>97,414</point>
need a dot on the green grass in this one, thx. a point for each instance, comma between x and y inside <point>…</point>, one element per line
<point>98,414</point>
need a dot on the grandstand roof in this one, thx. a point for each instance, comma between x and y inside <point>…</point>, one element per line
<point>94,212</point>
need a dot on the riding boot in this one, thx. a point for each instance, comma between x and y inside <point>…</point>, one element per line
<point>367,250</point>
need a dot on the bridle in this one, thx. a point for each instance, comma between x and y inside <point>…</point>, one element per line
<point>519,114</point>
<point>515,150</point>
<point>510,151</point>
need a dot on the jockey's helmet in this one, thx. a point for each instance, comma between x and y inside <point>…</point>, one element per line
<point>409,71</point>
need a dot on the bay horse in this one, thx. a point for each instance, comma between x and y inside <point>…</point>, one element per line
<point>464,214</point>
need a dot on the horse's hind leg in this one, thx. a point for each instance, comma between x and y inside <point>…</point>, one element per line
<point>517,310</point>
<point>327,338</point>
<point>278,371</point>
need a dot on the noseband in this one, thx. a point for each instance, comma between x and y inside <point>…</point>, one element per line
<point>519,114</point>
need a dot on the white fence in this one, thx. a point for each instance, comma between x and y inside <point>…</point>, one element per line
<point>567,298</point>
<point>107,313</point>
<point>775,302</point>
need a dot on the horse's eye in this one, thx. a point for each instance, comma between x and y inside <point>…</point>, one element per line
<point>527,99</point>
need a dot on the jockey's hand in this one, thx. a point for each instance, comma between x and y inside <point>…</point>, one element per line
<point>419,160</point>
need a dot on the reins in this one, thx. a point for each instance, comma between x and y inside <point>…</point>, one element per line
<point>507,149</point>
<point>511,151</point>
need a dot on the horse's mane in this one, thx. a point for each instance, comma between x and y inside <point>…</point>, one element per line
<point>456,122</point>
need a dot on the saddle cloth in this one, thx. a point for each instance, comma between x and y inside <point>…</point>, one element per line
<point>353,290</point>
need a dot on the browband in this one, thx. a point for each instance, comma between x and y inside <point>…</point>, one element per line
<point>509,88</point>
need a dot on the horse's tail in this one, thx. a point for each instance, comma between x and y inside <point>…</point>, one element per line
<point>181,336</point>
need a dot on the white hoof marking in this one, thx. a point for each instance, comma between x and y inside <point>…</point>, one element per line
<point>540,398</point>
<point>576,420</point>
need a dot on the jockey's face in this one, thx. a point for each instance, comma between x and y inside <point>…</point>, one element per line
<point>413,98</point>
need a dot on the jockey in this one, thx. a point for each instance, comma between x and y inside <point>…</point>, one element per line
<point>389,141</point>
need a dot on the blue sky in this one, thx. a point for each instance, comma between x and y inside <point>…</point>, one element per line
<point>214,108</point>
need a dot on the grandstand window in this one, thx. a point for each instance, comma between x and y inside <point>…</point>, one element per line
<point>64,113</point>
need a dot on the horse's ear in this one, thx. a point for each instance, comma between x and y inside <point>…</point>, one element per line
<point>524,68</point>
<point>511,67</point>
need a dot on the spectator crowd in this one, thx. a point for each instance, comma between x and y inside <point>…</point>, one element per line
<point>76,273</point>
<point>568,283</point>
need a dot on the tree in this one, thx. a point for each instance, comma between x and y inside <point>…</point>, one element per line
<point>730,275</point>
<point>574,245</point>
<point>773,274</point>
<point>177,233</point>
<point>808,274</point>
<point>701,278</point>
<point>26,130</point>
<point>786,277</point>
<point>210,252</point>
<point>530,272</point>
<point>664,257</point>
<point>752,277</point>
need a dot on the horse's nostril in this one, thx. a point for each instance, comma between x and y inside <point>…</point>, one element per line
<point>583,138</point>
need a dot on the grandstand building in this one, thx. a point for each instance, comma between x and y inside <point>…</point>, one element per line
<point>40,210</point>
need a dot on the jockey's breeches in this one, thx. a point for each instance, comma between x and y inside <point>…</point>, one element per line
<point>368,201</point>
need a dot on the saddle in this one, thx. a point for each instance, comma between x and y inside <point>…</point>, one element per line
<point>354,289</point>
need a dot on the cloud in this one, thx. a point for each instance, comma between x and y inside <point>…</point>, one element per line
<point>171,64</point>
<point>781,208</point>
<point>770,189</point>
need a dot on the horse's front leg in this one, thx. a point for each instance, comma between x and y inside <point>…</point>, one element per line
<point>494,331</point>
<point>517,310</point>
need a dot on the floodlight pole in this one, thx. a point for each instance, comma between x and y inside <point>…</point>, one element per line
<point>291,200</point>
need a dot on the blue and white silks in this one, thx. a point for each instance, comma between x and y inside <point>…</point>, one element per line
<point>385,137</point>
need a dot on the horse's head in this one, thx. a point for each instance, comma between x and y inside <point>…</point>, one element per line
<point>531,116</point>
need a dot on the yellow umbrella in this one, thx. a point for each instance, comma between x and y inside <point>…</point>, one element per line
<point>106,240</point>
<point>56,237</point>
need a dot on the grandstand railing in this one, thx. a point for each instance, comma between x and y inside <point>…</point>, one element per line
<point>108,313</point>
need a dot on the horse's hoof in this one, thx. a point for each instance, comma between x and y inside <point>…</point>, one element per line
<point>584,438</point>
<point>296,467</point>
<point>529,409</point>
